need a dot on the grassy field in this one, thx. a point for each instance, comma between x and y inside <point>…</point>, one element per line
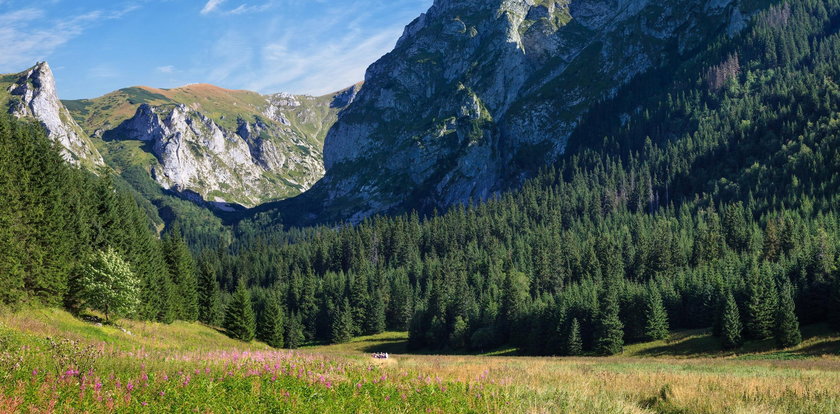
<point>53,362</point>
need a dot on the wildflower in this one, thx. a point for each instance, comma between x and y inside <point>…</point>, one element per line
<point>98,386</point>
<point>35,373</point>
<point>387,398</point>
<point>162,393</point>
<point>144,403</point>
<point>129,387</point>
<point>359,385</point>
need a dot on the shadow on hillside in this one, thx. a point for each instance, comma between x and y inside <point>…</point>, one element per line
<point>400,346</point>
<point>693,346</point>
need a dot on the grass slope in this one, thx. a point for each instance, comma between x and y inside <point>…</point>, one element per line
<point>189,367</point>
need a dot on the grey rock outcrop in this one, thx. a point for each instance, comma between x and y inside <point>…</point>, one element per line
<point>477,94</point>
<point>34,95</point>
<point>195,154</point>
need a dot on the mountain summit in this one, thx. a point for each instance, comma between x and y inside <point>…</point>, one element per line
<point>32,94</point>
<point>479,94</point>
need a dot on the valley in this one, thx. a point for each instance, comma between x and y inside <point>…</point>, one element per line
<point>586,206</point>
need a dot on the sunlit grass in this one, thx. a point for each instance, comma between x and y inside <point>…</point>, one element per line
<point>190,367</point>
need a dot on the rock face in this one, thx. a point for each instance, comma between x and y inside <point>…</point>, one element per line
<point>213,145</point>
<point>33,95</point>
<point>477,94</point>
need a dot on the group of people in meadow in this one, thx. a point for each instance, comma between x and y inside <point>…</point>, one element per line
<point>380,355</point>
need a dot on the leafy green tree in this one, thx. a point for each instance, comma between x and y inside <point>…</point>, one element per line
<point>240,321</point>
<point>574,342</point>
<point>787,325</point>
<point>272,324</point>
<point>108,285</point>
<point>609,338</point>
<point>656,319</point>
<point>731,328</point>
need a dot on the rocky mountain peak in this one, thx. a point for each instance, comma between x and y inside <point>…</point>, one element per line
<point>477,94</point>
<point>34,95</point>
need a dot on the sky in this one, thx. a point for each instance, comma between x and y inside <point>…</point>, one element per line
<point>299,46</point>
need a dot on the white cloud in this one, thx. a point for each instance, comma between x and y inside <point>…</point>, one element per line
<point>211,6</point>
<point>165,69</point>
<point>321,54</point>
<point>28,36</point>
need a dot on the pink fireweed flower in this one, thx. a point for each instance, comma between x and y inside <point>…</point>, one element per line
<point>162,393</point>
<point>358,385</point>
<point>129,387</point>
<point>144,403</point>
<point>34,372</point>
<point>387,398</point>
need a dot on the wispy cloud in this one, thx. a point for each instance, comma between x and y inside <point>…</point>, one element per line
<point>211,6</point>
<point>25,41</point>
<point>317,55</point>
<point>165,69</point>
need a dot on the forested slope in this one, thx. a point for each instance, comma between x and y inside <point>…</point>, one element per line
<point>703,195</point>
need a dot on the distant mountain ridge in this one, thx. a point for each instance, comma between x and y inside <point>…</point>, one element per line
<point>215,146</point>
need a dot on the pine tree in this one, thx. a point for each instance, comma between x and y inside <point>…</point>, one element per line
<point>341,324</point>
<point>240,322</point>
<point>294,337</point>
<point>272,324</point>
<point>610,331</point>
<point>656,319</point>
<point>574,343</point>
<point>182,271</point>
<point>375,316</point>
<point>731,323</point>
<point>787,325</point>
<point>761,304</point>
<point>209,295</point>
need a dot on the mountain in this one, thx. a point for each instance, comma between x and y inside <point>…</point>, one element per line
<point>32,94</point>
<point>479,94</point>
<point>212,144</point>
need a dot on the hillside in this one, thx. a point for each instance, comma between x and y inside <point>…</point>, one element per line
<point>478,95</point>
<point>143,367</point>
<point>214,146</point>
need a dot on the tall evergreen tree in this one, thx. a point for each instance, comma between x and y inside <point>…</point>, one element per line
<point>731,324</point>
<point>574,342</point>
<point>787,325</point>
<point>610,331</point>
<point>240,322</point>
<point>183,273</point>
<point>294,337</point>
<point>209,294</point>
<point>656,319</point>
<point>341,326</point>
<point>761,304</point>
<point>272,324</point>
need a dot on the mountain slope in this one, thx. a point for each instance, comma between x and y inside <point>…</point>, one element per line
<point>213,144</point>
<point>477,95</point>
<point>32,94</point>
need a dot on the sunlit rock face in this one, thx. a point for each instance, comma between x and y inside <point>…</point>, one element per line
<point>33,95</point>
<point>477,94</point>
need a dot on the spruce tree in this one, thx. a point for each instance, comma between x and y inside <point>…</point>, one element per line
<point>294,337</point>
<point>375,316</point>
<point>209,294</point>
<point>240,322</point>
<point>761,304</point>
<point>182,272</point>
<point>656,318</point>
<point>341,323</point>
<point>787,325</point>
<point>574,342</point>
<point>272,324</point>
<point>609,337</point>
<point>731,324</point>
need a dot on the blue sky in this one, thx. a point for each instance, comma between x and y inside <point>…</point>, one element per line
<point>298,46</point>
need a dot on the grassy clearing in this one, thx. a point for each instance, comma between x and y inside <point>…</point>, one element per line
<point>186,367</point>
